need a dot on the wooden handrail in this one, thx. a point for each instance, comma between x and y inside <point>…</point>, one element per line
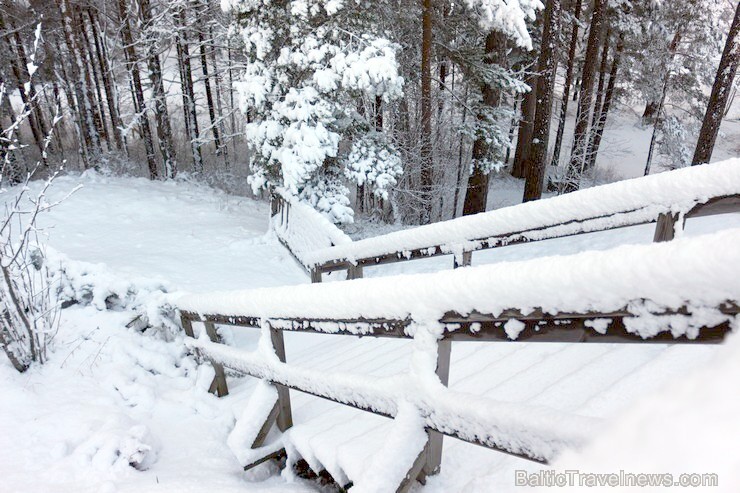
<point>715,205</point>
<point>713,189</point>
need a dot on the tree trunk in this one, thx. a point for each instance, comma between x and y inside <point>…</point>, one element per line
<point>568,82</point>
<point>476,195</point>
<point>80,80</point>
<point>188,94</point>
<point>164,131</point>
<point>426,113</point>
<point>209,94</point>
<point>136,90</point>
<point>79,124</point>
<point>603,69</point>
<point>18,65</point>
<point>219,108</point>
<point>526,126</point>
<point>664,93</point>
<point>720,92</point>
<point>648,116</point>
<point>576,164</point>
<point>546,68</point>
<point>93,79</point>
<point>108,81</point>
<point>601,122</point>
<point>460,166</point>
<point>512,129</point>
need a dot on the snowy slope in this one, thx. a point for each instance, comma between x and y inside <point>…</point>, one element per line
<point>63,423</point>
<point>189,236</point>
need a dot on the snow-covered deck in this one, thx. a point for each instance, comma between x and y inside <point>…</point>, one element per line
<point>224,246</point>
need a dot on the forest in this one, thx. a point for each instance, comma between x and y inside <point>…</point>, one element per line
<point>398,110</point>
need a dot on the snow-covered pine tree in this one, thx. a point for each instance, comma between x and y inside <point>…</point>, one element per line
<point>720,93</point>
<point>306,63</point>
<point>671,49</point>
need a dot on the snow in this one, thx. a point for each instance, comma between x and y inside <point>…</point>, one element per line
<point>248,425</point>
<point>391,463</point>
<point>683,428</point>
<point>624,202</point>
<point>110,396</point>
<point>535,432</point>
<point>112,388</point>
<point>168,232</point>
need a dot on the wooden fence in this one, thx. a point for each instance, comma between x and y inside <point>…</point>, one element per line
<point>539,327</point>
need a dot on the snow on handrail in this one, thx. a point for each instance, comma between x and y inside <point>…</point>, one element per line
<point>301,228</point>
<point>627,202</point>
<point>524,430</point>
<point>689,277</point>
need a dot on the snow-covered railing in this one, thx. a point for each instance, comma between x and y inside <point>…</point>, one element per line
<point>301,228</point>
<point>668,198</point>
<point>685,290</point>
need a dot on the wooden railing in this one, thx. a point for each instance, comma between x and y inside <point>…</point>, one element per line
<point>301,229</point>
<point>435,409</point>
<point>700,191</point>
<point>463,422</point>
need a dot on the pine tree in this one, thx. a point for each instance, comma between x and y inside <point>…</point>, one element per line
<point>546,68</point>
<point>720,93</point>
<point>576,165</point>
<point>568,82</point>
<point>137,92</point>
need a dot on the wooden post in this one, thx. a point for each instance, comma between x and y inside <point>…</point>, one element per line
<point>285,415</point>
<point>354,272</point>
<point>218,386</point>
<point>316,274</point>
<point>467,259</point>
<point>187,325</point>
<point>665,227</point>
<point>416,471</point>
<point>429,459</point>
<point>273,204</point>
<point>434,445</point>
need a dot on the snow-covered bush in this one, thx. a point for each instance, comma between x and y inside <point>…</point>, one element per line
<point>375,163</point>
<point>28,305</point>
<point>673,142</point>
<point>307,63</point>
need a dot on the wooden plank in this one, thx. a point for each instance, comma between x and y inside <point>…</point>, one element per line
<point>218,386</point>
<point>571,328</point>
<point>362,407</point>
<point>716,205</point>
<point>285,414</point>
<point>354,272</point>
<point>259,440</point>
<point>665,227</point>
<point>467,260</point>
<point>293,255</point>
<point>416,472</point>
<point>278,454</point>
<point>544,327</point>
